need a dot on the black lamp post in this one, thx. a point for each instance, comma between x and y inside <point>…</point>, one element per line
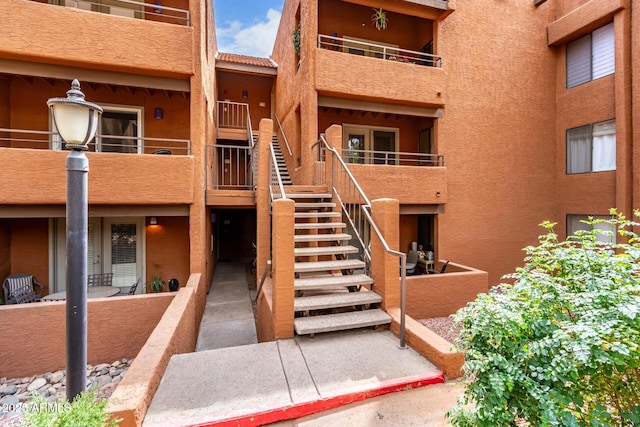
<point>77,122</point>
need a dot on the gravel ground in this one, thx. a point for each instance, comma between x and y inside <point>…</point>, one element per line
<point>443,327</point>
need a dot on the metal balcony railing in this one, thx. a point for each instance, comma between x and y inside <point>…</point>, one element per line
<point>362,48</point>
<point>391,158</point>
<point>233,115</point>
<point>132,9</point>
<point>229,167</point>
<point>43,140</point>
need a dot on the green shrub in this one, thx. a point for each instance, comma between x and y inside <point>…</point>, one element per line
<point>86,411</point>
<point>559,347</point>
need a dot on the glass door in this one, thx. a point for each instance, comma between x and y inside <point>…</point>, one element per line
<point>384,141</point>
<point>94,252</point>
<point>123,250</point>
<point>355,144</point>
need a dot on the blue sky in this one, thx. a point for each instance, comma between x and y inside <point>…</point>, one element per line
<point>247,27</point>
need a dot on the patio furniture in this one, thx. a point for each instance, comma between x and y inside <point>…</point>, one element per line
<point>132,289</point>
<point>19,289</point>
<point>92,292</point>
<point>100,279</point>
<point>412,262</point>
<point>442,269</point>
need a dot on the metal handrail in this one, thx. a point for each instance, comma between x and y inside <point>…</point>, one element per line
<point>238,175</point>
<point>157,9</point>
<point>38,140</point>
<point>283,135</point>
<point>366,207</point>
<point>275,178</point>
<point>235,118</point>
<point>267,268</point>
<point>392,157</point>
<point>379,51</point>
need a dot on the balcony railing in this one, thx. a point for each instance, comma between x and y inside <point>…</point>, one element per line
<point>391,158</point>
<point>132,9</point>
<point>229,167</point>
<point>43,140</point>
<point>233,115</point>
<point>357,47</point>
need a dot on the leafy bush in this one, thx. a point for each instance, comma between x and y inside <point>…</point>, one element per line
<point>86,410</point>
<point>561,346</point>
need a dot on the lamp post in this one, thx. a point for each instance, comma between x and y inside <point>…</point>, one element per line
<point>77,121</point>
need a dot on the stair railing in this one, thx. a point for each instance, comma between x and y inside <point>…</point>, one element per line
<point>267,270</point>
<point>276,188</point>
<point>284,137</point>
<point>357,208</point>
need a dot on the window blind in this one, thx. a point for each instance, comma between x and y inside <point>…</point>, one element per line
<point>579,61</point>
<point>603,51</point>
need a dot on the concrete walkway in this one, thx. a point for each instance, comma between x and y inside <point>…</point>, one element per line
<point>287,379</point>
<point>233,379</point>
<point>228,319</point>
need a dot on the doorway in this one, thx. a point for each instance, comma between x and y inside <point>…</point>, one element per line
<point>114,245</point>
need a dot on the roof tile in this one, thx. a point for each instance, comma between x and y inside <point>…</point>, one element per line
<point>247,60</point>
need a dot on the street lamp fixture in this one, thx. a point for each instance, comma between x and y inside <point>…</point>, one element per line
<point>77,122</point>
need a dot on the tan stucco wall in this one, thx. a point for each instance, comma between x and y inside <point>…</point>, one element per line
<point>116,328</point>
<point>231,86</point>
<point>176,332</point>
<point>147,47</point>
<point>167,250</point>
<point>497,133</point>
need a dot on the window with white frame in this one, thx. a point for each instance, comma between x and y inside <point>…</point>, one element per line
<point>575,223</point>
<point>591,57</point>
<point>119,131</point>
<point>592,148</point>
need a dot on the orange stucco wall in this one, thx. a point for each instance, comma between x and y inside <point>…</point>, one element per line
<point>154,48</point>
<point>231,86</point>
<point>168,250</point>
<point>116,328</point>
<point>176,332</point>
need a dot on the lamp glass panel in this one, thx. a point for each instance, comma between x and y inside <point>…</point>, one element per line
<point>72,122</point>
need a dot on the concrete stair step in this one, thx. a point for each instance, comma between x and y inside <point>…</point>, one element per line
<point>341,321</point>
<point>325,250</point>
<point>317,215</point>
<point>315,205</point>
<point>331,282</point>
<point>319,225</point>
<point>309,195</point>
<point>327,237</point>
<point>335,300</point>
<point>344,264</point>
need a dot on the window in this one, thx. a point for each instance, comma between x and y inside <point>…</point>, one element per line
<point>590,57</point>
<point>592,148</point>
<point>369,145</point>
<point>574,223</point>
<point>119,131</point>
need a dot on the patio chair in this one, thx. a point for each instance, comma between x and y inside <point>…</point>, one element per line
<point>20,288</point>
<point>412,262</point>
<point>100,279</point>
<point>442,269</point>
<point>132,289</point>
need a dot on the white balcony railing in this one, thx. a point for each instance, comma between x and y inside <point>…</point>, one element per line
<point>43,140</point>
<point>132,9</point>
<point>362,48</point>
<point>229,167</point>
<point>391,158</point>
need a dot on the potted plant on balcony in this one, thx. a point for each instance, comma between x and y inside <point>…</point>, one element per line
<point>295,38</point>
<point>156,284</point>
<point>379,19</point>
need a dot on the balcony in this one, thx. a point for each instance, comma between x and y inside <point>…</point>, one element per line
<point>32,170</point>
<point>152,44</point>
<point>349,67</point>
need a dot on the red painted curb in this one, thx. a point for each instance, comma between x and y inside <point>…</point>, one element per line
<point>300,410</point>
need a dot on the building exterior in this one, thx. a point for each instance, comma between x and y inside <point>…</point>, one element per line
<point>481,118</point>
<point>150,67</point>
<point>492,103</point>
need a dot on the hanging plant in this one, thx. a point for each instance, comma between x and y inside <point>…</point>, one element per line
<point>295,34</point>
<point>379,19</point>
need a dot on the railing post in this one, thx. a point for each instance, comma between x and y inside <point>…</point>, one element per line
<point>385,268</point>
<point>333,135</point>
<point>262,154</point>
<point>283,263</point>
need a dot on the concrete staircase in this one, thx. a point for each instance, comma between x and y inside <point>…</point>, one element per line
<point>331,294</point>
<point>282,165</point>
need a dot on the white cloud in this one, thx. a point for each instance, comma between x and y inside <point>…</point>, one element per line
<point>256,40</point>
